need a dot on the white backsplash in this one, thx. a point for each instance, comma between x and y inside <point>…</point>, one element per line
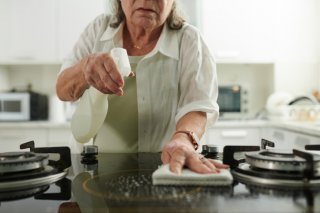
<point>41,77</point>
<point>4,79</point>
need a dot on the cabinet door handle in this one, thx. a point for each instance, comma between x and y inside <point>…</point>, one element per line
<point>234,134</point>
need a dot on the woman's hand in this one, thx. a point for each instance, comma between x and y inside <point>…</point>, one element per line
<point>179,152</point>
<point>101,72</point>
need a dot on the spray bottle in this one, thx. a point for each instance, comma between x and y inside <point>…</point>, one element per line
<point>92,108</point>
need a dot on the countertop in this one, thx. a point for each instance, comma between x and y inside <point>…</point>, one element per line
<point>123,183</point>
<point>34,124</point>
<point>311,128</point>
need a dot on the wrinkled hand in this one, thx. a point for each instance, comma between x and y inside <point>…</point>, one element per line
<point>179,152</point>
<point>101,72</point>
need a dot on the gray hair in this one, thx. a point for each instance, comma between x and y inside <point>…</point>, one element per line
<point>175,19</point>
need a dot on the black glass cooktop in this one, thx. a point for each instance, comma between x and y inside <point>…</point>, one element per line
<point>122,183</point>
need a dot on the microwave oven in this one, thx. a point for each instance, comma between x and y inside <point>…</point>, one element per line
<point>23,106</point>
<point>232,101</point>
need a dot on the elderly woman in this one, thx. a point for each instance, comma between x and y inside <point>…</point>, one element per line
<point>167,102</point>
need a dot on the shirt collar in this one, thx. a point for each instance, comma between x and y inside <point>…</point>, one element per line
<point>114,34</point>
<point>167,45</point>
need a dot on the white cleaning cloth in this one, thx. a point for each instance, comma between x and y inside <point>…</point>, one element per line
<point>163,176</point>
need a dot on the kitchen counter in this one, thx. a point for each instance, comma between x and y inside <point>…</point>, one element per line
<point>123,183</point>
<point>310,128</point>
<point>34,124</point>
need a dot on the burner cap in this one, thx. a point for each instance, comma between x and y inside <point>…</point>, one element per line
<point>22,161</point>
<point>279,160</point>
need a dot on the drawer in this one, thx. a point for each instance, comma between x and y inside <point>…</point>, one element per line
<point>10,139</point>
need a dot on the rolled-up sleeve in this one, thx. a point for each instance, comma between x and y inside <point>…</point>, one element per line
<point>198,85</point>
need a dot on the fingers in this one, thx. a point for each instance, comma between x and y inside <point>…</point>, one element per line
<point>218,164</point>
<point>165,157</point>
<point>200,164</point>
<point>177,161</point>
<point>113,71</point>
<point>101,72</point>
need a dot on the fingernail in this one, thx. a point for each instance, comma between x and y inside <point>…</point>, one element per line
<point>178,172</point>
<point>132,74</point>
<point>119,92</point>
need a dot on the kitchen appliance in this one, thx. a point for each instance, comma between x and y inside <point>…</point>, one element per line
<point>232,101</point>
<point>23,174</point>
<point>272,168</point>
<point>23,106</point>
<point>112,182</point>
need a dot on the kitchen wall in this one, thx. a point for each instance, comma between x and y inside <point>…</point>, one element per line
<point>296,46</point>
<point>42,78</point>
<point>256,80</point>
<point>4,79</point>
<point>265,45</point>
<point>283,33</point>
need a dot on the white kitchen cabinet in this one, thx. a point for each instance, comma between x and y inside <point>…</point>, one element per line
<point>32,30</point>
<point>42,133</point>
<point>233,136</point>
<point>283,139</point>
<point>11,138</point>
<point>73,17</point>
<point>43,31</point>
<point>287,139</point>
<point>4,29</point>
<point>239,30</point>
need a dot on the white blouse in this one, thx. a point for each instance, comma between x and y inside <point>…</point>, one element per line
<point>178,76</point>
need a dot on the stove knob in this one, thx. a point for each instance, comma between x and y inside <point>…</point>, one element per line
<point>90,150</point>
<point>210,151</point>
<point>89,155</point>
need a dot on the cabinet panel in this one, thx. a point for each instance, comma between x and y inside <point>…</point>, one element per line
<point>42,31</point>
<point>300,140</point>
<point>32,30</point>
<point>281,138</point>
<point>239,30</point>
<point>233,136</point>
<point>286,139</point>
<point>10,139</point>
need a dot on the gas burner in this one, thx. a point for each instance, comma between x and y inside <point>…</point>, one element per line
<point>30,170</point>
<point>274,168</point>
<point>280,160</point>
<point>21,194</point>
<point>21,161</point>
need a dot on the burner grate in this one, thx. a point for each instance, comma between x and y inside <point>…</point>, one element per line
<point>270,167</point>
<point>27,170</point>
